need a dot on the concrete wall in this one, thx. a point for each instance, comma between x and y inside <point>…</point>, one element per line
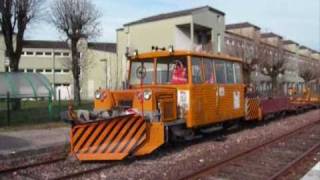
<point>216,22</point>
<point>142,37</point>
<point>98,73</point>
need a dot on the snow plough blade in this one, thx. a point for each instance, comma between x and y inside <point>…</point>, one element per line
<point>112,139</point>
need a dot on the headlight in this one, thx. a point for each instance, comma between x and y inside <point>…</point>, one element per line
<point>97,94</point>
<point>147,94</point>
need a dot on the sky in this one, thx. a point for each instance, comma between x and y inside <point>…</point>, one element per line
<point>297,20</point>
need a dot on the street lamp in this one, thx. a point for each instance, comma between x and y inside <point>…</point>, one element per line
<point>106,70</point>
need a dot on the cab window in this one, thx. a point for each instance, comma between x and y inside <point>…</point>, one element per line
<point>196,70</point>
<point>220,72</point>
<point>172,70</point>
<point>237,71</point>
<point>147,65</point>
<point>230,73</point>
<point>209,73</point>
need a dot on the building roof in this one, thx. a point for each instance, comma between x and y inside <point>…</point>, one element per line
<point>304,47</point>
<point>286,42</point>
<point>268,35</point>
<point>174,14</point>
<point>241,25</point>
<point>45,44</point>
<point>108,47</point>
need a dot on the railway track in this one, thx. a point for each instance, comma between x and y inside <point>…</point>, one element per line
<point>221,169</point>
<point>41,170</point>
<point>32,165</point>
<point>268,160</point>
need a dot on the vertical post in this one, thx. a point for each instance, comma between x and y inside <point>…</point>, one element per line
<point>8,108</point>
<point>59,100</point>
<point>192,36</point>
<point>54,72</point>
<point>50,105</point>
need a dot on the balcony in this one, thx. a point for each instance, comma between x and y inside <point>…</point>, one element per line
<point>193,37</point>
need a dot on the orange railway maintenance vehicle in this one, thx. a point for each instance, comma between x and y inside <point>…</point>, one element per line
<point>172,95</point>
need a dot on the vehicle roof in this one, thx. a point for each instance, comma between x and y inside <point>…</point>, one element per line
<point>158,54</point>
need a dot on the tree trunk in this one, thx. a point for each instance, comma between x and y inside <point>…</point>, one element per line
<point>14,67</point>
<point>247,77</point>
<point>274,84</point>
<point>76,72</point>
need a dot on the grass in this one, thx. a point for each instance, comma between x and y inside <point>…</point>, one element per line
<point>36,112</point>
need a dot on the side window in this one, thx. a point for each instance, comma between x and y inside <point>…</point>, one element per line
<point>196,70</point>
<point>220,72</point>
<point>209,73</point>
<point>230,73</point>
<point>237,71</point>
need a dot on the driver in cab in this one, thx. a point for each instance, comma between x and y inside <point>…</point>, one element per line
<point>179,74</point>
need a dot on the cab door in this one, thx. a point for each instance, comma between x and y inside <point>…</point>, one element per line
<point>230,91</point>
<point>202,93</point>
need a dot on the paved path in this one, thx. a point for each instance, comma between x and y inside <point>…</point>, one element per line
<point>29,140</point>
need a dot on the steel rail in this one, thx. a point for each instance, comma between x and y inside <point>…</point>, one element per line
<point>92,170</point>
<point>247,152</point>
<point>296,161</point>
<point>12,169</point>
<point>80,173</point>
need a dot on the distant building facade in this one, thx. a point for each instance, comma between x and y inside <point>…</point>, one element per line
<point>53,59</point>
<point>246,36</point>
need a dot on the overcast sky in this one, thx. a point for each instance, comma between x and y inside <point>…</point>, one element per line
<point>298,20</point>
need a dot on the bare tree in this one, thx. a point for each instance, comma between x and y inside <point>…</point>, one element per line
<point>247,50</point>
<point>14,19</point>
<point>307,71</point>
<point>76,19</point>
<point>272,63</point>
<point>15,16</point>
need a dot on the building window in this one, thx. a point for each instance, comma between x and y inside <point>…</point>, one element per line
<point>21,70</point>
<point>48,53</point>
<point>66,54</point>
<point>39,70</point>
<point>57,53</point>
<point>48,70</point>
<point>219,42</point>
<point>66,70</point>
<point>29,53</point>
<point>30,70</point>
<point>219,18</point>
<point>22,53</point>
<point>57,70</point>
<point>39,53</point>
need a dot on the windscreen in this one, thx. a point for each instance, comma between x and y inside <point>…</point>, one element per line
<point>144,66</point>
<point>172,70</point>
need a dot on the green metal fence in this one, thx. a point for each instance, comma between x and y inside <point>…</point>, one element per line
<point>34,111</point>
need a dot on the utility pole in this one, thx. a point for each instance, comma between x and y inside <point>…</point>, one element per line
<point>106,70</point>
<point>54,72</point>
